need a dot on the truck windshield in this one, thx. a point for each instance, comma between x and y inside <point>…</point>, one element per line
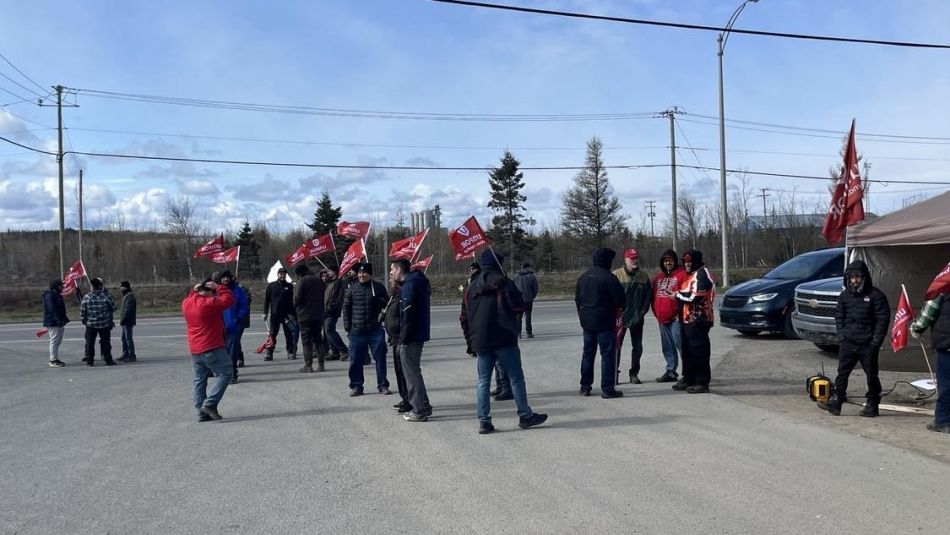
<point>800,267</point>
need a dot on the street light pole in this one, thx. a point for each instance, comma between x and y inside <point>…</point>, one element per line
<point>724,222</point>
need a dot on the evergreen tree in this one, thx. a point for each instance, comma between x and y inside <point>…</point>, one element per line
<point>591,213</point>
<point>547,252</point>
<point>325,220</point>
<point>508,232</point>
<point>250,252</point>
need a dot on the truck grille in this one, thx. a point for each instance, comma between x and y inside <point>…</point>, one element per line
<point>820,311</point>
<point>732,301</point>
<point>807,296</point>
<point>815,304</point>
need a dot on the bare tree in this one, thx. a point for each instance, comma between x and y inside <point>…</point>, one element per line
<point>690,218</point>
<point>180,221</point>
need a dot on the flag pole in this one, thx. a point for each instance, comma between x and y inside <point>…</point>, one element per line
<point>927,360</point>
<point>372,288</point>
<point>498,261</point>
<point>237,263</point>
<point>321,263</point>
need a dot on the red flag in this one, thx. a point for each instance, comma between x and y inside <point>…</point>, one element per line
<point>352,256</point>
<point>619,332</point>
<point>297,256</point>
<point>72,276</point>
<point>466,238</point>
<point>319,246</point>
<point>847,206</point>
<point>940,285</point>
<point>41,332</point>
<point>229,255</point>
<point>460,257</point>
<point>268,344</point>
<point>357,229</point>
<point>213,246</point>
<point>408,248</point>
<point>902,318</point>
<point>423,264</point>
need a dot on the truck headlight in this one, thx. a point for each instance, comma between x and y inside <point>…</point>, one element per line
<point>763,297</point>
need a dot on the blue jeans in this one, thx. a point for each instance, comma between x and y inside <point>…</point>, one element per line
<point>333,337</point>
<point>360,345</point>
<point>608,366</point>
<point>942,411</point>
<point>233,347</point>
<point>671,342</point>
<point>128,346</point>
<point>510,359</point>
<point>204,364</point>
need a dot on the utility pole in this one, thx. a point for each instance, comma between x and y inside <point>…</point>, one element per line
<point>765,213</point>
<point>59,161</point>
<point>651,214</point>
<point>80,214</point>
<point>671,114</point>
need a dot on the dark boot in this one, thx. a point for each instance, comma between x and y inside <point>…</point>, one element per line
<point>344,355</point>
<point>269,355</point>
<point>870,409</point>
<point>833,405</point>
<point>308,360</point>
<point>321,357</point>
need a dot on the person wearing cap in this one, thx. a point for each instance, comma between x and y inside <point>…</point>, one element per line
<point>363,305</point>
<point>279,312</point>
<point>203,309</point>
<point>127,308</point>
<point>96,310</point>
<point>696,295</point>
<point>666,284</point>
<point>598,296</point>
<point>55,320</point>
<point>527,284</point>
<point>333,300</point>
<point>308,302</point>
<point>233,318</point>
<point>636,287</point>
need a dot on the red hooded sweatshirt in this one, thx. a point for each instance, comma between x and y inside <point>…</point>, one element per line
<point>204,319</point>
<point>665,286</point>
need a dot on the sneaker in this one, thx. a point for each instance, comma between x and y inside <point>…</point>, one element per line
<point>585,391</point>
<point>56,363</point>
<point>344,356</point>
<point>233,380</point>
<point>401,405</point>
<point>385,391</point>
<point>611,394</point>
<point>204,418</point>
<point>530,335</point>
<point>485,427</point>
<point>415,417</point>
<point>291,356</point>
<point>130,359</point>
<point>505,396</point>
<point>356,392</point>
<point>531,421</point>
<point>89,362</point>
<point>269,356</point>
<point>680,386</point>
<point>697,389</point>
<point>121,359</point>
<point>211,412</point>
<point>668,377</point>
<point>634,380</point>
<point>110,362</point>
<point>936,428</point>
<point>240,363</point>
<point>334,355</point>
<point>496,391</point>
<point>404,409</point>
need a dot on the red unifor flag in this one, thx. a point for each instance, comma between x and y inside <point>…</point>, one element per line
<point>466,238</point>
<point>902,318</point>
<point>213,246</point>
<point>408,248</point>
<point>268,344</point>
<point>619,332</point>
<point>320,245</point>
<point>357,229</point>
<point>847,206</point>
<point>41,332</point>
<point>353,255</point>
<point>297,256</point>
<point>72,276</point>
<point>423,264</point>
<point>229,255</point>
<point>940,285</point>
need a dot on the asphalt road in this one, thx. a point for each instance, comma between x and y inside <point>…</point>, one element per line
<point>117,450</point>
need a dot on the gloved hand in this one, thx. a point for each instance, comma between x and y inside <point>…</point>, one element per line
<point>915,334</point>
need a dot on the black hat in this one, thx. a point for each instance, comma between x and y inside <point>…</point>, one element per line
<point>281,270</point>
<point>475,265</point>
<point>365,267</point>
<point>96,283</point>
<point>125,284</point>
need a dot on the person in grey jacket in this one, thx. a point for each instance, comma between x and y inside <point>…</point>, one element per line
<point>127,308</point>
<point>527,284</point>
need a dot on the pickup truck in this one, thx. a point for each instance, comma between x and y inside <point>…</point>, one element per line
<point>814,315</point>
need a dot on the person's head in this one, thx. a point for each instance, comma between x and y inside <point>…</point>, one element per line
<point>301,270</point>
<point>125,286</point>
<point>206,287</point>
<point>692,260</point>
<point>631,259</point>
<point>603,257</point>
<point>351,274</point>
<point>96,283</point>
<point>526,265</point>
<point>282,274</point>
<point>474,268</point>
<point>492,260</point>
<point>364,272</point>
<point>398,269</point>
<point>324,275</point>
<point>668,261</point>
<point>56,285</point>
<point>856,276</point>
<point>226,277</point>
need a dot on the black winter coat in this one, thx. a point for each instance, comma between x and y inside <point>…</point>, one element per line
<point>54,309</point>
<point>279,300</point>
<point>862,316</point>
<point>308,298</point>
<point>414,319</point>
<point>361,309</point>
<point>489,308</point>
<point>598,295</point>
<point>128,308</point>
<point>391,316</point>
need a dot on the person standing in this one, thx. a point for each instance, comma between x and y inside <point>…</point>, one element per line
<point>598,295</point>
<point>527,284</point>
<point>96,311</point>
<point>473,270</point>
<point>636,287</point>
<point>489,308</point>
<point>696,295</point>
<point>203,309</point>
<point>861,318</point>
<point>936,317</point>
<point>335,292</point>
<point>308,302</point>
<point>55,320</point>
<point>279,312</point>
<point>127,314</point>
<point>414,324</point>
<point>666,284</point>
<point>391,326</point>
<point>362,308</point>
<point>234,318</point>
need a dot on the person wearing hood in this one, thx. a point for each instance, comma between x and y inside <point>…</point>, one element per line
<point>233,318</point>
<point>489,309</point>
<point>598,296</point>
<point>636,288</point>
<point>664,304</point>
<point>363,305</point>
<point>695,295</point>
<point>527,284</point>
<point>54,319</point>
<point>128,309</point>
<point>96,310</point>
<point>861,318</point>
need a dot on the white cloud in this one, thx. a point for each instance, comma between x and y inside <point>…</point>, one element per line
<point>198,187</point>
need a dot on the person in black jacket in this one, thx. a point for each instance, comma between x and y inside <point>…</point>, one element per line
<point>527,284</point>
<point>599,296</point>
<point>308,302</point>
<point>391,326</point>
<point>936,316</point>
<point>55,320</point>
<point>336,291</point>
<point>414,322</point>
<point>363,305</point>
<point>489,309</point>
<point>862,317</point>
<point>127,308</point>
<point>279,312</point>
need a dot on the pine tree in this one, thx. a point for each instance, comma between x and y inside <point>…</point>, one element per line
<point>250,252</point>
<point>325,220</point>
<point>508,232</point>
<point>591,213</point>
<point>547,252</point>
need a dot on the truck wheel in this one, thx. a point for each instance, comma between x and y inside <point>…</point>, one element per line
<point>827,348</point>
<point>789,331</point>
<point>745,332</point>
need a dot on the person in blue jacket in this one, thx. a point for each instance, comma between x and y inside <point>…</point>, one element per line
<point>233,318</point>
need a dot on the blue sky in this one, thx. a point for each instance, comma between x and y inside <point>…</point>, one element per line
<point>422,56</point>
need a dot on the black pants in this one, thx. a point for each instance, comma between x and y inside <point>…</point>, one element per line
<point>276,322</point>
<point>527,319</point>
<point>311,335</point>
<point>105,342</point>
<point>696,351</point>
<point>848,358</point>
<point>636,349</point>
<point>400,377</point>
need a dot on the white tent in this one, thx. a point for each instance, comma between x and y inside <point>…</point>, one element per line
<point>272,275</point>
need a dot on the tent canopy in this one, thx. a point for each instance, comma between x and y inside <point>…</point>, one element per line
<point>924,223</point>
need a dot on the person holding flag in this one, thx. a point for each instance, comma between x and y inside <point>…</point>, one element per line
<point>862,317</point>
<point>936,317</point>
<point>55,320</point>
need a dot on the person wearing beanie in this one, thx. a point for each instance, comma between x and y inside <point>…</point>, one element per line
<point>333,301</point>
<point>414,324</point>
<point>527,284</point>
<point>234,318</point>
<point>128,309</point>
<point>308,303</point>
<point>96,310</point>
<point>598,297</point>
<point>55,320</point>
<point>363,305</point>
<point>636,287</point>
<point>666,284</point>
<point>695,295</point>
<point>279,312</point>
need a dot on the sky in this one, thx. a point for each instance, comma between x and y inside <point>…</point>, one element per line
<point>423,57</point>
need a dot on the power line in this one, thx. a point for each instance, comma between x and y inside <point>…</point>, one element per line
<point>685,26</point>
<point>23,74</point>
<point>40,95</point>
<point>21,97</point>
<point>840,133</point>
<point>838,137</point>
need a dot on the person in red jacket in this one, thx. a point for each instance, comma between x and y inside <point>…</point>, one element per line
<point>203,310</point>
<point>665,285</point>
